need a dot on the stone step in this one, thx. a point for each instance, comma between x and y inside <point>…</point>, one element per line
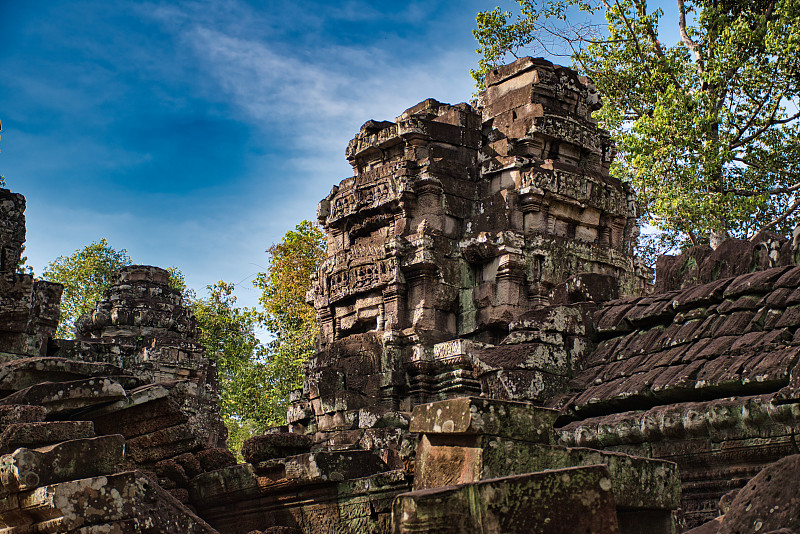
<point>25,469</point>
<point>16,413</point>
<point>33,435</point>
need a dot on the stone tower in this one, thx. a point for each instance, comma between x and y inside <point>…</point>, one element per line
<point>459,219</point>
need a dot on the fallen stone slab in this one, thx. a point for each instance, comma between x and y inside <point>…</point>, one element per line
<point>231,484</point>
<point>279,445</point>
<point>333,466</point>
<point>163,443</point>
<point>40,434</point>
<point>59,397</point>
<point>477,415</point>
<point>123,503</point>
<point>561,501</point>
<point>20,374</point>
<point>215,458</point>
<point>25,469</point>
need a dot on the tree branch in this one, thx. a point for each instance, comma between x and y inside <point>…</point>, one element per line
<point>690,44</point>
<point>770,122</point>
<point>775,191</point>
<point>778,219</point>
<point>650,32</point>
<point>756,113</point>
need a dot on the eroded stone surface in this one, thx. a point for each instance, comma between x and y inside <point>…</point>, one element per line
<point>43,433</point>
<point>476,415</point>
<point>560,501</point>
<point>125,503</point>
<point>770,501</point>
<point>59,397</point>
<point>26,469</point>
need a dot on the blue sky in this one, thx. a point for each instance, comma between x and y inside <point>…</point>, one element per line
<point>196,133</point>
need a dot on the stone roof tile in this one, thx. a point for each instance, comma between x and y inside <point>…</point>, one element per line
<point>734,324</point>
<point>670,356</point>
<point>756,282</point>
<point>771,318</point>
<point>666,377</point>
<point>778,297</point>
<point>644,342</point>
<point>695,348</point>
<point>717,347</point>
<point>652,310</point>
<point>794,298</point>
<point>604,352</point>
<point>686,330</point>
<point>790,278</point>
<point>790,317</point>
<point>720,370</point>
<point>610,318</point>
<point>706,329</point>
<point>747,340</point>
<point>728,337</point>
<point>745,302</point>
<point>710,293</point>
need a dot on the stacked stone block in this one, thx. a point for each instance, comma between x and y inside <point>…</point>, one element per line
<point>468,445</point>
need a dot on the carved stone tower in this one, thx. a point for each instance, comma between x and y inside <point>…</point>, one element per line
<point>459,219</point>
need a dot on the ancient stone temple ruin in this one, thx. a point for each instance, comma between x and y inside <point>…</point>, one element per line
<point>492,358</point>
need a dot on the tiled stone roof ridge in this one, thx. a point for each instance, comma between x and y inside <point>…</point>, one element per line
<point>731,337</point>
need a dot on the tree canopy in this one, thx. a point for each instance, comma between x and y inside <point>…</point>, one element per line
<point>229,335</point>
<point>706,127</point>
<point>85,274</point>
<point>290,320</point>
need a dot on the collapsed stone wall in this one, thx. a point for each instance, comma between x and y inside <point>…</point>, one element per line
<point>98,434</point>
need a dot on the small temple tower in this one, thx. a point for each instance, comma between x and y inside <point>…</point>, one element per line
<point>459,219</point>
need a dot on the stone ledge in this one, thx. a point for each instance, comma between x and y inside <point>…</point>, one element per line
<point>567,500</point>
<point>478,415</point>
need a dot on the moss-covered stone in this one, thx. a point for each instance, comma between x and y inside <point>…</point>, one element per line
<point>477,415</point>
<point>553,502</point>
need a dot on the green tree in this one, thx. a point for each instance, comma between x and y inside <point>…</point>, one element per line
<point>290,320</point>
<point>707,128</point>
<point>228,333</point>
<point>85,274</point>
